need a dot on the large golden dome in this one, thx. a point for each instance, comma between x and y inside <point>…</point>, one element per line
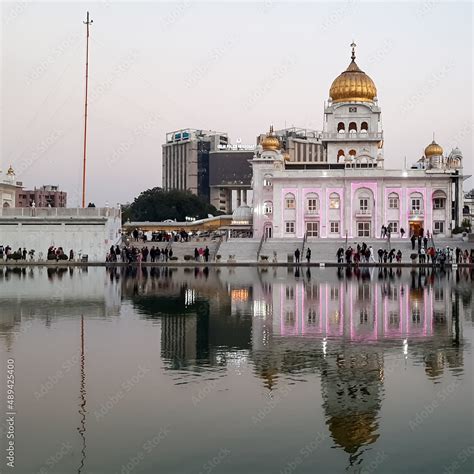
<point>433,149</point>
<point>353,85</point>
<point>271,141</point>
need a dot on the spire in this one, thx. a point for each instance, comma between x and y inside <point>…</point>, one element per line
<point>353,46</point>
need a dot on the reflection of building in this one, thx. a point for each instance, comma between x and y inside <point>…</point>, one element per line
<point>335,183</point>
<point>44,196</point>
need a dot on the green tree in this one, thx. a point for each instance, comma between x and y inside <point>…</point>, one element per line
<point>157,205</point>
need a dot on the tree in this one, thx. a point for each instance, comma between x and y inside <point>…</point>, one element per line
<point>157,205</point>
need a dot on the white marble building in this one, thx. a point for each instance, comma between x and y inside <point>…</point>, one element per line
<point>8,188</point>
<point>347,190</point>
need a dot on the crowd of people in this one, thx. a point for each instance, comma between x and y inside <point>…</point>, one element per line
<point>22,254</point>
<point>132,254</point>
<point>174,236</point>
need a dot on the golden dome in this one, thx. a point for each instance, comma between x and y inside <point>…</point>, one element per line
<point>433,149</point>
<point>271,141</point>
<point>353,85</point>
<point>10,171</point>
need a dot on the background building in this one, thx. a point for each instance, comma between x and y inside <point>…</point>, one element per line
<point>44,196</point>
<point>230,179</point>
<point>186,159</point>
<point>8,188</point>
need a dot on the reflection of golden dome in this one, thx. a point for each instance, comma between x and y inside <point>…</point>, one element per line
<point>433,149</point>
<point>353,84</point>
<point>271,142</point>
<point>353,430</point>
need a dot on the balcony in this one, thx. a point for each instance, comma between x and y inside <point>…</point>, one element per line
<point>363,213</point>
<point>311,212</point>
<point>416,212</point>
<point>353,136</point>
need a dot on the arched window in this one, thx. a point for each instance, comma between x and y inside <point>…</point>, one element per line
<point>439,200</point>
<point>364,200</point>
<point>340,156</point>
<point>341,128</point>
<point>5,204</point>
<point>267,181</point>
<point>334,201</point>
<point>267,207</point>
<point>364,127</point>
<point>352,127</point>
<point>393,201</point>
<point>290,201</point>
<point>416,203</point>
<point>352,153</point>
<point>312,203</point>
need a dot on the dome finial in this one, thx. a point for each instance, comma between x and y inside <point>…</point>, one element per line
<point>353,46</point>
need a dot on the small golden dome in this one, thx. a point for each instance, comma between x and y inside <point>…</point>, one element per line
<point>10,171</point>
<point>271,141</point>
<point>286,156</point>
<point>433,149</point>
<point>353,85</point>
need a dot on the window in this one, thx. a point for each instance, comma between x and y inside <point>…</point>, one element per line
<point>268,207</point>
<point>290,227</point>
<point>438,227</point>
<point>334,227</point>
<point>341,127</point>
<point>334,294</point>
<point>290,293</point>
<point>312,205</point>
<point>312,229</point>
<point>334,201</point>
<point>393,226</point>
<point>267,181</point>
<point>439,203</point>
<point>352,127</point>
<point>364,205</point>
<point>290,202</point>
<point>393,201</point>
<point>363,229</point>
<point>352,109</point>
<point>416,205</point>
<point>364,127</point>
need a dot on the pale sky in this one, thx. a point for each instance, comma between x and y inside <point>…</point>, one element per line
<point>234,67</point>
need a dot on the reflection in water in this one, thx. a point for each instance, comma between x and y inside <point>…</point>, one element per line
<point>345,328</point>
<point>82,406</point>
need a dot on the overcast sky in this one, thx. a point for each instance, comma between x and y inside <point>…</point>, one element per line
<point>234,67</point>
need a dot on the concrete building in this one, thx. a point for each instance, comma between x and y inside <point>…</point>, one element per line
<point>90,231</point>
<point>9,187</point>
<point>44,196</point>
<point>335,184</point>
<point>230,178</point>
<point>186,159</point>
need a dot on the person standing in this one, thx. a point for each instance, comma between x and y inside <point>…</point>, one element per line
<point>196,254</point>
<point>413,241</point>
<point>308,255</point>
<point>297,255</point>
<point>206,253</point>
<point>402,232</point>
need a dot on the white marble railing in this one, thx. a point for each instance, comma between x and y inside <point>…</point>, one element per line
<point>63,212</point>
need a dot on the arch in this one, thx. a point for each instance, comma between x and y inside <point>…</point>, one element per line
<point>312,203</point>
<point>364,127</point>
<point>352,127</point>
<point>439,199</point>
<point>341,127</point>
<point>352,153</point>
<point>267,180</point>
<point>334,201</point>
<point>290,201</point>
<point>6,204</point>
<point>439,193</point>
<point>268,207</point>
<point>393,200</point>
<point>416,203</point>
<point>340,156</point>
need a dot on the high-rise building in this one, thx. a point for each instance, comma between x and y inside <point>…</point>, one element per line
<point>44,196</point>
<point>186,159</point>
